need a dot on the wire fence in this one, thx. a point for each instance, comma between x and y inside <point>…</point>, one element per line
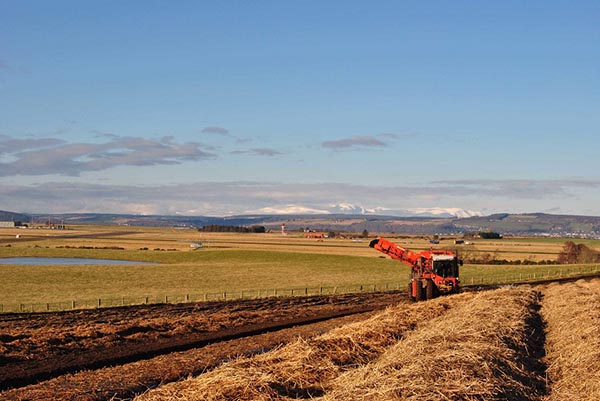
<point>553,273</point>
<point>196,297</point>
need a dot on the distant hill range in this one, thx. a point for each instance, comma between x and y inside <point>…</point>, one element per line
<point>16,217</point>
<point>534,223</point>
<point>517,224</point>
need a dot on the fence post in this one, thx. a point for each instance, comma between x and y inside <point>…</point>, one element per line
<point>334,289</point>
<point>306,291</point>
<point>205,297</point>
<point>320,290</point>
<point>224,295</point>
<point>187,297</point>
<point>47,306</point>
<point>73,304</point>
<point>166,299</point>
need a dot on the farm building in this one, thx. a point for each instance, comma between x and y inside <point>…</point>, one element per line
<point>7,224</point>
<point>314,235</point>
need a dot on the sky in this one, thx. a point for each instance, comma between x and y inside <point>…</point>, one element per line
<point>237,107</point>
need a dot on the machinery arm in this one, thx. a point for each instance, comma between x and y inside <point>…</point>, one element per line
<point>396,252</point>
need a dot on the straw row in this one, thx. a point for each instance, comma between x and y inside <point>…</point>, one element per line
<point>572,313</point>
<point>480,350</point>
<point>305,368</point>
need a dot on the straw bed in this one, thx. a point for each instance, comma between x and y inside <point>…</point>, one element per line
<point>304,369</point>
<point>572,313</point>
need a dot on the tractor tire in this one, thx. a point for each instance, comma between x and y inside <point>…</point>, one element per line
<point>429,289</point>
<point>418,291</point>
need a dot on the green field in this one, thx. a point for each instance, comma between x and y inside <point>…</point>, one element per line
<point>199,272</point>
<point>235,263</point>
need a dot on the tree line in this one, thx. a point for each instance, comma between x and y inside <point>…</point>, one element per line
<point>577,253</point>
<point>217,228</point>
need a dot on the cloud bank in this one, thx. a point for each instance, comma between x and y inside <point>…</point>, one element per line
<point>228,198</point>
<point>40,156</point>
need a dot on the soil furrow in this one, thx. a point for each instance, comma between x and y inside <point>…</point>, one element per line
<point>303,369</point>
<point>127,380</point>
<point>50,345</point>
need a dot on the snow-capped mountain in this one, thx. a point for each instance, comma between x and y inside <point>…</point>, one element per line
<point>350,208</point>
<point>445,212</point>
<point>288,209</point>
<point>354,209</point>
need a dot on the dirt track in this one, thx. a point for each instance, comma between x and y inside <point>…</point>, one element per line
<point>138,347</point>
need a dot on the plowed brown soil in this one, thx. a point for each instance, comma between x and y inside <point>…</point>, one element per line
<point>43,346</point>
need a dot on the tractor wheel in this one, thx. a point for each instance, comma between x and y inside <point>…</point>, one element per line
<point>430,289</point>
<point>419,291</point>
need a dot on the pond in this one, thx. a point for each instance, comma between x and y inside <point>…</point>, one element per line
<point>33,261</point>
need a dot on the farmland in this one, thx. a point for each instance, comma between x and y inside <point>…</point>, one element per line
<point>518,342</point>
<point>487,346</point>
<point>228,263</point>
<point>523,343</point>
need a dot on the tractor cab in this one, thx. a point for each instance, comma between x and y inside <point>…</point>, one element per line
<point>445,265</point>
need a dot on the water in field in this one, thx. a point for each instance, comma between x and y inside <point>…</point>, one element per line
<point>32,261</point>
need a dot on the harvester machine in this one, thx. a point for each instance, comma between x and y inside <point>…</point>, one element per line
<point>433,272</point>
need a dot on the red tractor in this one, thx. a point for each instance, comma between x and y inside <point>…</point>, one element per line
<point>433,272</point>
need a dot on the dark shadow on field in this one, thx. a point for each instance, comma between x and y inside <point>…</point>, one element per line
<point>530,355</point>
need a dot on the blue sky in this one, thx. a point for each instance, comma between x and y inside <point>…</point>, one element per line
<point>227,107</point>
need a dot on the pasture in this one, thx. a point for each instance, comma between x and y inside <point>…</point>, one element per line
<point>230,262</point>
